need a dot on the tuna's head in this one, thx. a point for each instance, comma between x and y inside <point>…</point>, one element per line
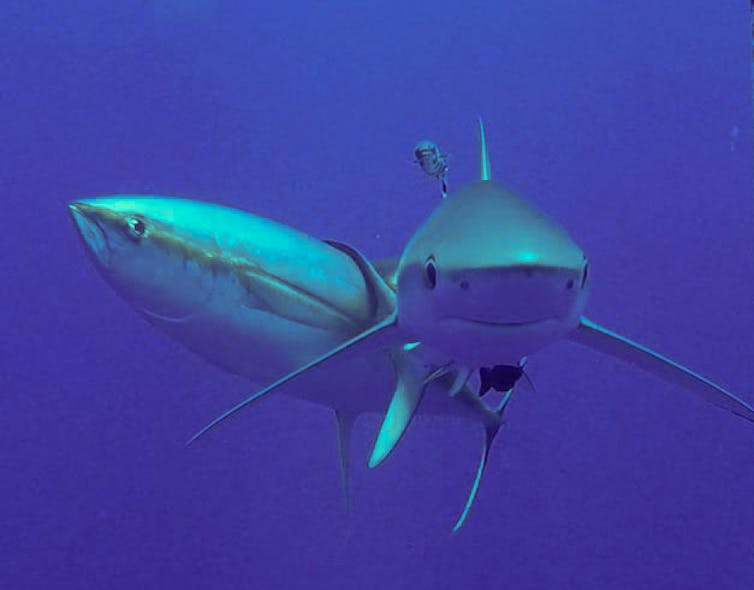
<point>137,244</point>
<point>172,258</point>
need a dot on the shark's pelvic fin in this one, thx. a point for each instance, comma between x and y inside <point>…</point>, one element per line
<point>387,269</point>
<point>490,432</point>
<point>381,335</point>
<point>344,425</point>
<point>608,342</point>
<point>485,170</point>
<point>411,383</point>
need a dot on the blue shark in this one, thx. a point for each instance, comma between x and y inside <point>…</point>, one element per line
<point>486,279</point>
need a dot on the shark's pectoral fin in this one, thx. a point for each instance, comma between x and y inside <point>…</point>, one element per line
<point>411,383</point>
<point>382,335</point>
<point>608,342</point>
<point>344,424</point>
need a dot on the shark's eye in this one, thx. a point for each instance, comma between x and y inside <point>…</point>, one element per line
<point>430,272</point>
<point>136,227</point>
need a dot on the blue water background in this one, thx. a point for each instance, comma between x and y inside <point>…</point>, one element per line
<point>630,122</point>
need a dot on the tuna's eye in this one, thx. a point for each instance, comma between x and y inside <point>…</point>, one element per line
<point>430,272</point>
<point>136,227</point>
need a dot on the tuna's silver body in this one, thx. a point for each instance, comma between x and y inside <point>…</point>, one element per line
<point>252,296</point>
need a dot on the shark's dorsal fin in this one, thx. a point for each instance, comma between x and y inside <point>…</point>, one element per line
<point>608,342</point>
<point>485,172</point>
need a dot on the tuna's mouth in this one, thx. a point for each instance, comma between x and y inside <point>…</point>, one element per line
<point>173,319</point>
<point>91,232</point>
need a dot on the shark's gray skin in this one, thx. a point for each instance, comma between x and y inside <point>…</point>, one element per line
<point>259,299</point>
<point>486,279</point>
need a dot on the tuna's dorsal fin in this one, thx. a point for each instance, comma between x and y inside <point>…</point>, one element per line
<point>411,383</point>
<point>344,422</point>
<point>608,342</point>
<point>485,172</point>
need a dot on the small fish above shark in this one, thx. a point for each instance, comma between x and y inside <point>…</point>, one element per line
<point>485,282</point>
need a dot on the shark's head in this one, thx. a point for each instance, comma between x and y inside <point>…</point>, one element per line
<point>488,278</point>
<point>137,245</point>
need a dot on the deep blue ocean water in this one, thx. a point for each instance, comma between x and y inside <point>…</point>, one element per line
<point>629,122</point>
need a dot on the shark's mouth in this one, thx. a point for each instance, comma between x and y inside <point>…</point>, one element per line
<point>540,323</point>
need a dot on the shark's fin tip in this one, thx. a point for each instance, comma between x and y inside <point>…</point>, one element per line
<point>485,172</point>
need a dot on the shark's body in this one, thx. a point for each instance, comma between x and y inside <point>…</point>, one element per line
<point>486,280</point>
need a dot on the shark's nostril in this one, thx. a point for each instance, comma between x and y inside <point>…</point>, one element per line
<point>464,285</point>
<point>569,284</point>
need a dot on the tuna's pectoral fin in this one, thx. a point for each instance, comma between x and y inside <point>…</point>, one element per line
<point>381,335</point>
<point>411,383</point>
<point>608,342</point>
<point>344,424</point>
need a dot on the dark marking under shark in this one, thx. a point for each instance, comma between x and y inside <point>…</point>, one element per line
<point>501,378</point>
